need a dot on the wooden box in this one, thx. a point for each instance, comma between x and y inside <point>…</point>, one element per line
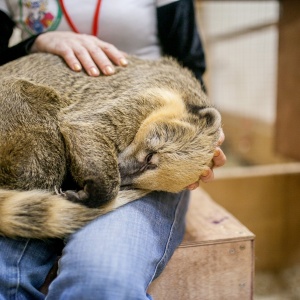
<point>215,260</point>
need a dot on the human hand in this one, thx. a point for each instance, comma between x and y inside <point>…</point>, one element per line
<point>219,160</point>
<point>81,51</point>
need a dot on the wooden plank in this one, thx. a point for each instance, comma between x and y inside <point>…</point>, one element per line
<point>209,223</point>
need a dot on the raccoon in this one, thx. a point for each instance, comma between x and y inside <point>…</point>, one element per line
<point>149,127</point>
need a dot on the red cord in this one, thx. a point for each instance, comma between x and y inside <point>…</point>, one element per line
<point>73,26</point>
<point>96,18</point>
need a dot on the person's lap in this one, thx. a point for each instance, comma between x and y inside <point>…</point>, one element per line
<point>114,257</point>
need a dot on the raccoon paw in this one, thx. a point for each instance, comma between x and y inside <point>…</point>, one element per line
<point>69,195</point>
<point>96,194</point>
<point>59,192</point>
<point>93,195</point>
<point>74,196</point>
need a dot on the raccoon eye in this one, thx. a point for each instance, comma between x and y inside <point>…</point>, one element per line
<point>149,157</point>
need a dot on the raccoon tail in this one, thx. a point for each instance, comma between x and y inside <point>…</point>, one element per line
<point>41,214</point>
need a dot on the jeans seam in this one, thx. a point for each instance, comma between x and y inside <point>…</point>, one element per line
<point>18,268</point>
<point>168,241</point>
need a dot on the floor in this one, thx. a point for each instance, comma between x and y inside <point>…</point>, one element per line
<point>285,285</point>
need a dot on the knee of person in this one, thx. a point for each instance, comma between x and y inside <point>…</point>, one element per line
<point>120,287</point>
<point>114,286</point>
<point>108,279</point>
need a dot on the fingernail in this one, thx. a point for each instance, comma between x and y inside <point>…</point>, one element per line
<point>217,152</point>
<point>109,70</point>
<point>77,67</point>
<point>205,173</point>
<point>123,62</point>
<point>94,71</point>
<point>191,188</point>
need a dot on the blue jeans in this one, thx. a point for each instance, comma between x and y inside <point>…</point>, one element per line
<point>114,257</point>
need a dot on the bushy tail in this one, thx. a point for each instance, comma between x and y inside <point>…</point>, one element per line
<point>40,214</point>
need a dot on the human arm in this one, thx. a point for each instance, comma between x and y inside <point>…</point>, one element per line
<point>10,53</point>
<point>179,36</point>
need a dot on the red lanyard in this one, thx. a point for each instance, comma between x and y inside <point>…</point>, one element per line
<point>95,20</point>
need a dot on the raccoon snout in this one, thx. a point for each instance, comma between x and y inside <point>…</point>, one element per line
<point>135,168</point>
<point>130,171</point>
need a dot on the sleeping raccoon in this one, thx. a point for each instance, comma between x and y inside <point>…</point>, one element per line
<point>148,127</point>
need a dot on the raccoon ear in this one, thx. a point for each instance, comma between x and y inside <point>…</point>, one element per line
<point>212,116</point>
<point>36,92</point>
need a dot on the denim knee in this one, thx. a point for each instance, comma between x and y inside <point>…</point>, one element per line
<point>94,279</point>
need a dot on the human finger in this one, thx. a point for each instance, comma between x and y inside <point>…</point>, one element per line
<point>115,55</point>
<point>104,56</point>
<point>71,60</point>
<point>86,61</point>
<point>103,63</point>
<point>221,138</point>
<point>192,186</point>
<point>92,57</point>
<point>207,176</point>
<point>219,158</point>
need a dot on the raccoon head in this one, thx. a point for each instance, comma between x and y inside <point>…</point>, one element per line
<point>170,154</point>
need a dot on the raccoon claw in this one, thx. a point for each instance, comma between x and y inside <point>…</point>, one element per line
<point>93,195</point>
<point>60,192</point>
<point>73,196</point>
<point>56,191</point>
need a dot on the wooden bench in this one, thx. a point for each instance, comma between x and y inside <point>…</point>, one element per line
<point>215,260</point>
